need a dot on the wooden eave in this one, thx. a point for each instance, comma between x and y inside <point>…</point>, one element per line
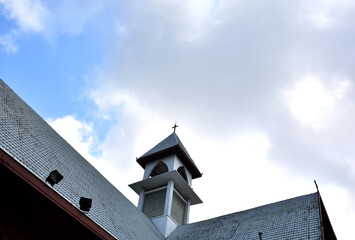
<point>26,175</point>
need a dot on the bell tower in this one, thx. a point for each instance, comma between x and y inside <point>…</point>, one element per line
<point>165,193</point>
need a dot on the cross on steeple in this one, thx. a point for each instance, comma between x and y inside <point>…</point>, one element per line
<point>175,126</point>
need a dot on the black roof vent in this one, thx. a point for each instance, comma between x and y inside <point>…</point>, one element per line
<point>54,178</point>
<point>85,204</point>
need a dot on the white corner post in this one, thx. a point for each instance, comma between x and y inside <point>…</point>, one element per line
<point>141,199</point>
<point>187,211</point>
<point>169,198</point>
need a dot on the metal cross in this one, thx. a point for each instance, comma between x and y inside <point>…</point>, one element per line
<point>175,126</point>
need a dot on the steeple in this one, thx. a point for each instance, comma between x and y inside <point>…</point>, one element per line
<point>165,193</point>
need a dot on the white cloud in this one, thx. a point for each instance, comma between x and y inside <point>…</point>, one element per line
<point>198,15</point>
<point>73,16</point>
<point>237,174</point>
<point>26,16</point>
<point>48,18</point>
<point>79,134</point>
<point>312,103</point>
<point>133,120</point>
<point>82,137</point>
<point>30,15</point>
<point>220,74</point>
<point>218,68</point>
<point>8,44</point>
<point>325,14</point>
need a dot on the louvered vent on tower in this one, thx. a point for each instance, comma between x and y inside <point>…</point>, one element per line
<point>178,209</point>
<point>154,203</point>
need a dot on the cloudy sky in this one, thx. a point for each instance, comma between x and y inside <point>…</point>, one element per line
<point>262,91</point>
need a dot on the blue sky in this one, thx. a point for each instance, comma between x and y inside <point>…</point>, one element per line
<point>38,66</point>
<point>263,91</point>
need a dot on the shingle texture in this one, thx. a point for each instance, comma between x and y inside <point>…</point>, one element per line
<point>26,137</point>
<point>170,141</point>
<point>293,219</point>
<point>170,145</point>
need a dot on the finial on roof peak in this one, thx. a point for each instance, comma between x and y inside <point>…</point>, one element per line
<point>175,126</point>
<point>316,185</point>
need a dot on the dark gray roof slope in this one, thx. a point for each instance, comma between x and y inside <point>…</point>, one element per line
<point>26,137</point>
<point>170,141</point>
<point>296,218</point>
<point>171,144</point>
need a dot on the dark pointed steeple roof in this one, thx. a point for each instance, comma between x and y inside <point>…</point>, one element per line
<point>170,145</point>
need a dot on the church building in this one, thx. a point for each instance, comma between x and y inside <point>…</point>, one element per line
<point>49,191</point>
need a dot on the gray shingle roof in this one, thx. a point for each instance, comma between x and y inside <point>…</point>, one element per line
<point>170,145</point>
<point>296,218</point>
<point>26,137</point>
<point>170,141</point>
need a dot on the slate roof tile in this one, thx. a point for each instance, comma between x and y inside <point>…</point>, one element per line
<point>170,145</point>
<point>26,137</point>
<point>170,141</point>
<point>296,218</point>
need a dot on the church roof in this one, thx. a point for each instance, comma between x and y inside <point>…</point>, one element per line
<point>170,145</point>
<point>28,139</point>
<point>296,218</point>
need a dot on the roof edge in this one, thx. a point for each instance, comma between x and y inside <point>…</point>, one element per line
<point>25,174</point>
<point>326,226</point>
<point>177,150</point>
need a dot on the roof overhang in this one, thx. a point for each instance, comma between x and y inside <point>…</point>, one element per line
<point>25,174</point>
<point>177,150</point>
<point>179,184</point>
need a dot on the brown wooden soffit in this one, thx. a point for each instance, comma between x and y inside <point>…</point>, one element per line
<point>10,163</point>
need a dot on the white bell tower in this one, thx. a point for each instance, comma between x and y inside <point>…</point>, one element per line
<point>165,193</point>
